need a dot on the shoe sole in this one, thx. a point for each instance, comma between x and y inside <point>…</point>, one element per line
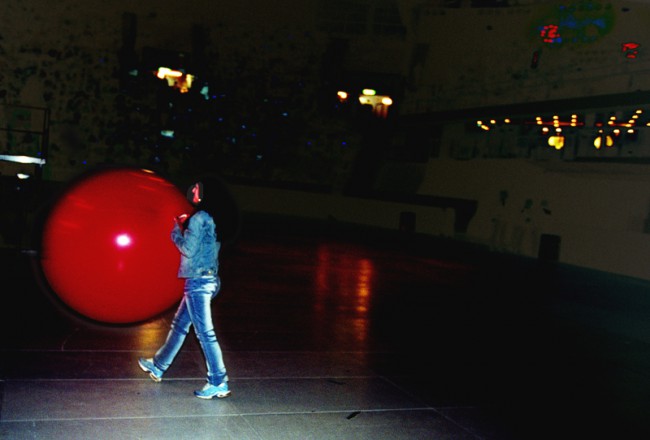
<point>218,396</point>
<point>151,375</point>
<point>154,377</point>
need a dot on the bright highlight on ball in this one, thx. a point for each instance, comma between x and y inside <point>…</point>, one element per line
<point>106,249</point>
<point>123,240</point>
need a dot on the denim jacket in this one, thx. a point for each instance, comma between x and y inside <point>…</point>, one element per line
<point>198,246</point>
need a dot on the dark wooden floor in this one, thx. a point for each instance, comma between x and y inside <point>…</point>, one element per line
<point>331,331</point>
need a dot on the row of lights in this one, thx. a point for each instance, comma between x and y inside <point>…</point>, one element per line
<point>553,128</point>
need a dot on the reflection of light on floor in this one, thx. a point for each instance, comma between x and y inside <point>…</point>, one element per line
<point>364,278</point>
<point>322,274</point>
<point>150,334</point>
<point>344,281</point>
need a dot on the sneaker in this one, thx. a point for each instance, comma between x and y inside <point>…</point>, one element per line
<point>209,391</point>
<point>148,366</point>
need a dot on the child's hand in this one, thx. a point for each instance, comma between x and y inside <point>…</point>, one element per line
<point>180,219</point>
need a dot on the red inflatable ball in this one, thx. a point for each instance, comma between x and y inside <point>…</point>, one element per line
<point>106,247</point>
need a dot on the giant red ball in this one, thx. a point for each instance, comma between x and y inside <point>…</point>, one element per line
<point>106,247</point>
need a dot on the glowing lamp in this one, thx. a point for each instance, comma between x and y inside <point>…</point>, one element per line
<point>106,250</point>
<point>603,140</point>
<point>556,142</point>
<point>379,103</point>
<point>176,78</point>
<point>22,159</point>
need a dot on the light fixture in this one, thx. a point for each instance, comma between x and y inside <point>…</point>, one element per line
<point>22,159</point>
<point>379,103</point>
<point>556,141</point>
<point>603,140</point>
<point>176,78</point>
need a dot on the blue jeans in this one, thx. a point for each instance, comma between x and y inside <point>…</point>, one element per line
<point>194,309</point>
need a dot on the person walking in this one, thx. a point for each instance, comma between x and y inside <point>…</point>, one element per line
<point>196,239</point>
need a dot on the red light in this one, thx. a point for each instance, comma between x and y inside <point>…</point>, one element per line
<point>631,50</point>
<point>550,34</point>
<point>106,248</point>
